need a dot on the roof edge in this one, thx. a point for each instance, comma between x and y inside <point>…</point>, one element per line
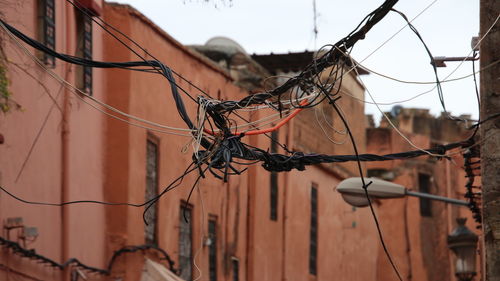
<point>134,12</point>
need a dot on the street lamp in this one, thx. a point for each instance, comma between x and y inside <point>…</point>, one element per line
<point>353,193</point>
<point>462,241</point>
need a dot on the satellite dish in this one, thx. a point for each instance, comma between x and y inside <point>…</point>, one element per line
<point>226,42</point>
<point>396,110</point>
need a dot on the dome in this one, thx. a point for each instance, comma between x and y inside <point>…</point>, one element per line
<point>226,42</point>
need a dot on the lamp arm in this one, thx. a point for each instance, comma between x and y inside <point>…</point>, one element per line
<point>438,198</point>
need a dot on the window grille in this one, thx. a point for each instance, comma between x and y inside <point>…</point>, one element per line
<point>84,50</point>
<point>47,29</point>
<point>212,249</point>
<point>151,191</point>
<point>185,243</point>
<point>424,185</point>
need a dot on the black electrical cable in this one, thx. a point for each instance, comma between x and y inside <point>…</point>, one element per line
<point>172,185</point>
<point>328,59</point>
<point>155,199</point>
<point>364,184</point>
<point>104,24</point>
<point>433,64</point>
<point>32,254</point>
<point>164,70</point>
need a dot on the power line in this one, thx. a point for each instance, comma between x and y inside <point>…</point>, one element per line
<point>33,255</point>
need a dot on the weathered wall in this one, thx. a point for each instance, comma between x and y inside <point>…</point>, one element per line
<point>65,163</point>
<point>149,96</point>
<point>418,243</point>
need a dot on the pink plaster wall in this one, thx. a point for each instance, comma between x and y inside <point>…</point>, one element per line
<point>74,231</point>
<point>148,96</point>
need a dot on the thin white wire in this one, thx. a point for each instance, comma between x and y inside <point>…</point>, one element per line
<point>203,215</point>
<point>399,31</point>
<point>78,92</point>
<point>202,114</point>
<point>324,131</point>
<point>390,122</point>
<point>475,46</point>
<point>424,82</point>
<point>340,132</point>
<point>446,79</point>
<point>380,46</point>
<point>435,86</point>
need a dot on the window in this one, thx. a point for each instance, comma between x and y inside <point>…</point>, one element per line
<point>47,29</point>
<point>212,249</point>
<point>236,269</point>
<point>424,185</point>
<point>274,180</point>
<point>83,77</point>
<point>185,242</point>
<point>313,240</point>
<point>151,191</point>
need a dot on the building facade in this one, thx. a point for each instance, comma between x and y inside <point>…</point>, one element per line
<point>117,137</point>
<point>415,228</point>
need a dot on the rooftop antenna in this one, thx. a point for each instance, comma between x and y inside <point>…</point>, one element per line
<point>315,19</point>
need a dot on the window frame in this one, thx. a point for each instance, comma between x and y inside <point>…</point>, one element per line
<point>152,139</point>
<point>187,275</point>
<point>46,21</point>
<point>84,49</point>
<point>425,204</point>
<point>212,248</point>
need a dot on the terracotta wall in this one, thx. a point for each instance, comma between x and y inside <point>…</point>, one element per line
<point>280,249</point>
<point>149,96</point>
<point>65,162</point>
<point>416,242</point>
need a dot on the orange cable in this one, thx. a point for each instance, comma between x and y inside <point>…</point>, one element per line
<point>280,124</point>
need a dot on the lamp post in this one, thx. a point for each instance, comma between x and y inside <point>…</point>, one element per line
<point>463,242</point>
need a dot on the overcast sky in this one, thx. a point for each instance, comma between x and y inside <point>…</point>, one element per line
<point>280,26</point>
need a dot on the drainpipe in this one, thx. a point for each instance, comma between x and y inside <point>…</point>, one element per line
<point>250,223</point>
<point>449,218</point>
<point>65,145</point>
<point>408,243</point>
<point>286,176</point>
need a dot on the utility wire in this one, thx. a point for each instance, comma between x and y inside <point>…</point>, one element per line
<point>33,255</point>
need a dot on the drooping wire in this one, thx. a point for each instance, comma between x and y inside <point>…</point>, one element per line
<point>33,255</point>
<point>103,24</point>
<point>433,64</point>
<point>365,185</point>
<point>326,60</point>
<point>176,182</point>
